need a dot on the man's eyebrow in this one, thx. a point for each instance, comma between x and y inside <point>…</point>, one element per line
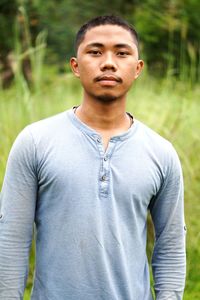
<point>123,45</point>
<point>100,45</point>
<point>95,45</point>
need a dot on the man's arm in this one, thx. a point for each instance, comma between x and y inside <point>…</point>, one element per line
<point>169,258</point>
<point>17,210</point>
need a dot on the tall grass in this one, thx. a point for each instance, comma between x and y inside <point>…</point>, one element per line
<point>25,48</point>
<point>170,108</point>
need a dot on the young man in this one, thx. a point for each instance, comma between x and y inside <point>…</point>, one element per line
<point>87,178</point>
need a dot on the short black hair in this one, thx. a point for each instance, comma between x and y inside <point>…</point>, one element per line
<point>104,20</point>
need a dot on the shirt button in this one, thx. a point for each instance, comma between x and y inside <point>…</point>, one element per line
<point>98,140</point>
<point>103,178</point>
<point>105,158</point>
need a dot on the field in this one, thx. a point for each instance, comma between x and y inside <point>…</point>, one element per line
<point>169,107</point>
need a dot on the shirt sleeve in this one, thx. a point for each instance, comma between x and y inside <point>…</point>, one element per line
<point>17,210</point>
<point>169,256</point>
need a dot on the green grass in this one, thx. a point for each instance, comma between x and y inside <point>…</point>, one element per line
<point>169,107</point>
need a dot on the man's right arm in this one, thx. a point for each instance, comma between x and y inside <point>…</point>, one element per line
<point>17,211</point>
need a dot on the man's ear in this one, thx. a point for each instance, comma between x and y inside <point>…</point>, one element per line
<point>74,66</point>
<point>139,68</point>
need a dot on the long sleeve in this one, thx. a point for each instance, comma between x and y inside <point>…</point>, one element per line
<point>17,210</point>
<point>167,211</point>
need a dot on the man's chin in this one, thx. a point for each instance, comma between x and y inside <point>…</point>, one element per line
<point>106,98</point>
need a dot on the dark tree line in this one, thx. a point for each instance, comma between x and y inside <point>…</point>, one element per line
<point>169,31</point>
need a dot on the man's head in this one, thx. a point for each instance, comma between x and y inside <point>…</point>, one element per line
<point>106,59</point>
<point>104,20</point>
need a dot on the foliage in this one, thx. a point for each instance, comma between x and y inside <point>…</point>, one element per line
<point>8,12</point>
<point>170,37</point>
<point>169,30</point>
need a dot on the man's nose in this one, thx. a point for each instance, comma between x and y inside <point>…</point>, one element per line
<point>108,63</point>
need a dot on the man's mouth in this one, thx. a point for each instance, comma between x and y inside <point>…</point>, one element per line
<point>108,78</point>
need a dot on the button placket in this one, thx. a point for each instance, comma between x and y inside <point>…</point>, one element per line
<point>104,178</point>
<point>105,175</point>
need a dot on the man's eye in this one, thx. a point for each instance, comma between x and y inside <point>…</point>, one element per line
<point>95,52</point>
<point>122,53</point>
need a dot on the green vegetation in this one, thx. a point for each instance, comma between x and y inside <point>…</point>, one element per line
<point>169,107</point>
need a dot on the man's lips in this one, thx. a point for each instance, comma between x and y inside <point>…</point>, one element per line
<point>108,78</point>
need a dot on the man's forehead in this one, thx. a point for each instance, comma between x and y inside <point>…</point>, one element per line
<point>108,32</point>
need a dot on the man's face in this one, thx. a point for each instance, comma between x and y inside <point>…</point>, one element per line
<point>107,62</point>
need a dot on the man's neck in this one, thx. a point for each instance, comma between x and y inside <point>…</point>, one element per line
<point>104,117</point>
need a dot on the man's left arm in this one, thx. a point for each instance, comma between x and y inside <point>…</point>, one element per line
<point>169,256</point>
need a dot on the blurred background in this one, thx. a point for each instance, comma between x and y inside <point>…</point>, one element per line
<point>36,42</point>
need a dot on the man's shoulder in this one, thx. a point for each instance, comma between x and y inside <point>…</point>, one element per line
<point>50,127</point>
<point>152,136</point>
<point>45,130</point>
<point>155,144</point>
<point>49,124</point>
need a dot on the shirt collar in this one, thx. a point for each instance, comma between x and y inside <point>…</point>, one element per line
<point>93,133</point>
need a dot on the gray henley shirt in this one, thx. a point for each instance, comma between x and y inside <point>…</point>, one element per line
<point>89,207</point>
